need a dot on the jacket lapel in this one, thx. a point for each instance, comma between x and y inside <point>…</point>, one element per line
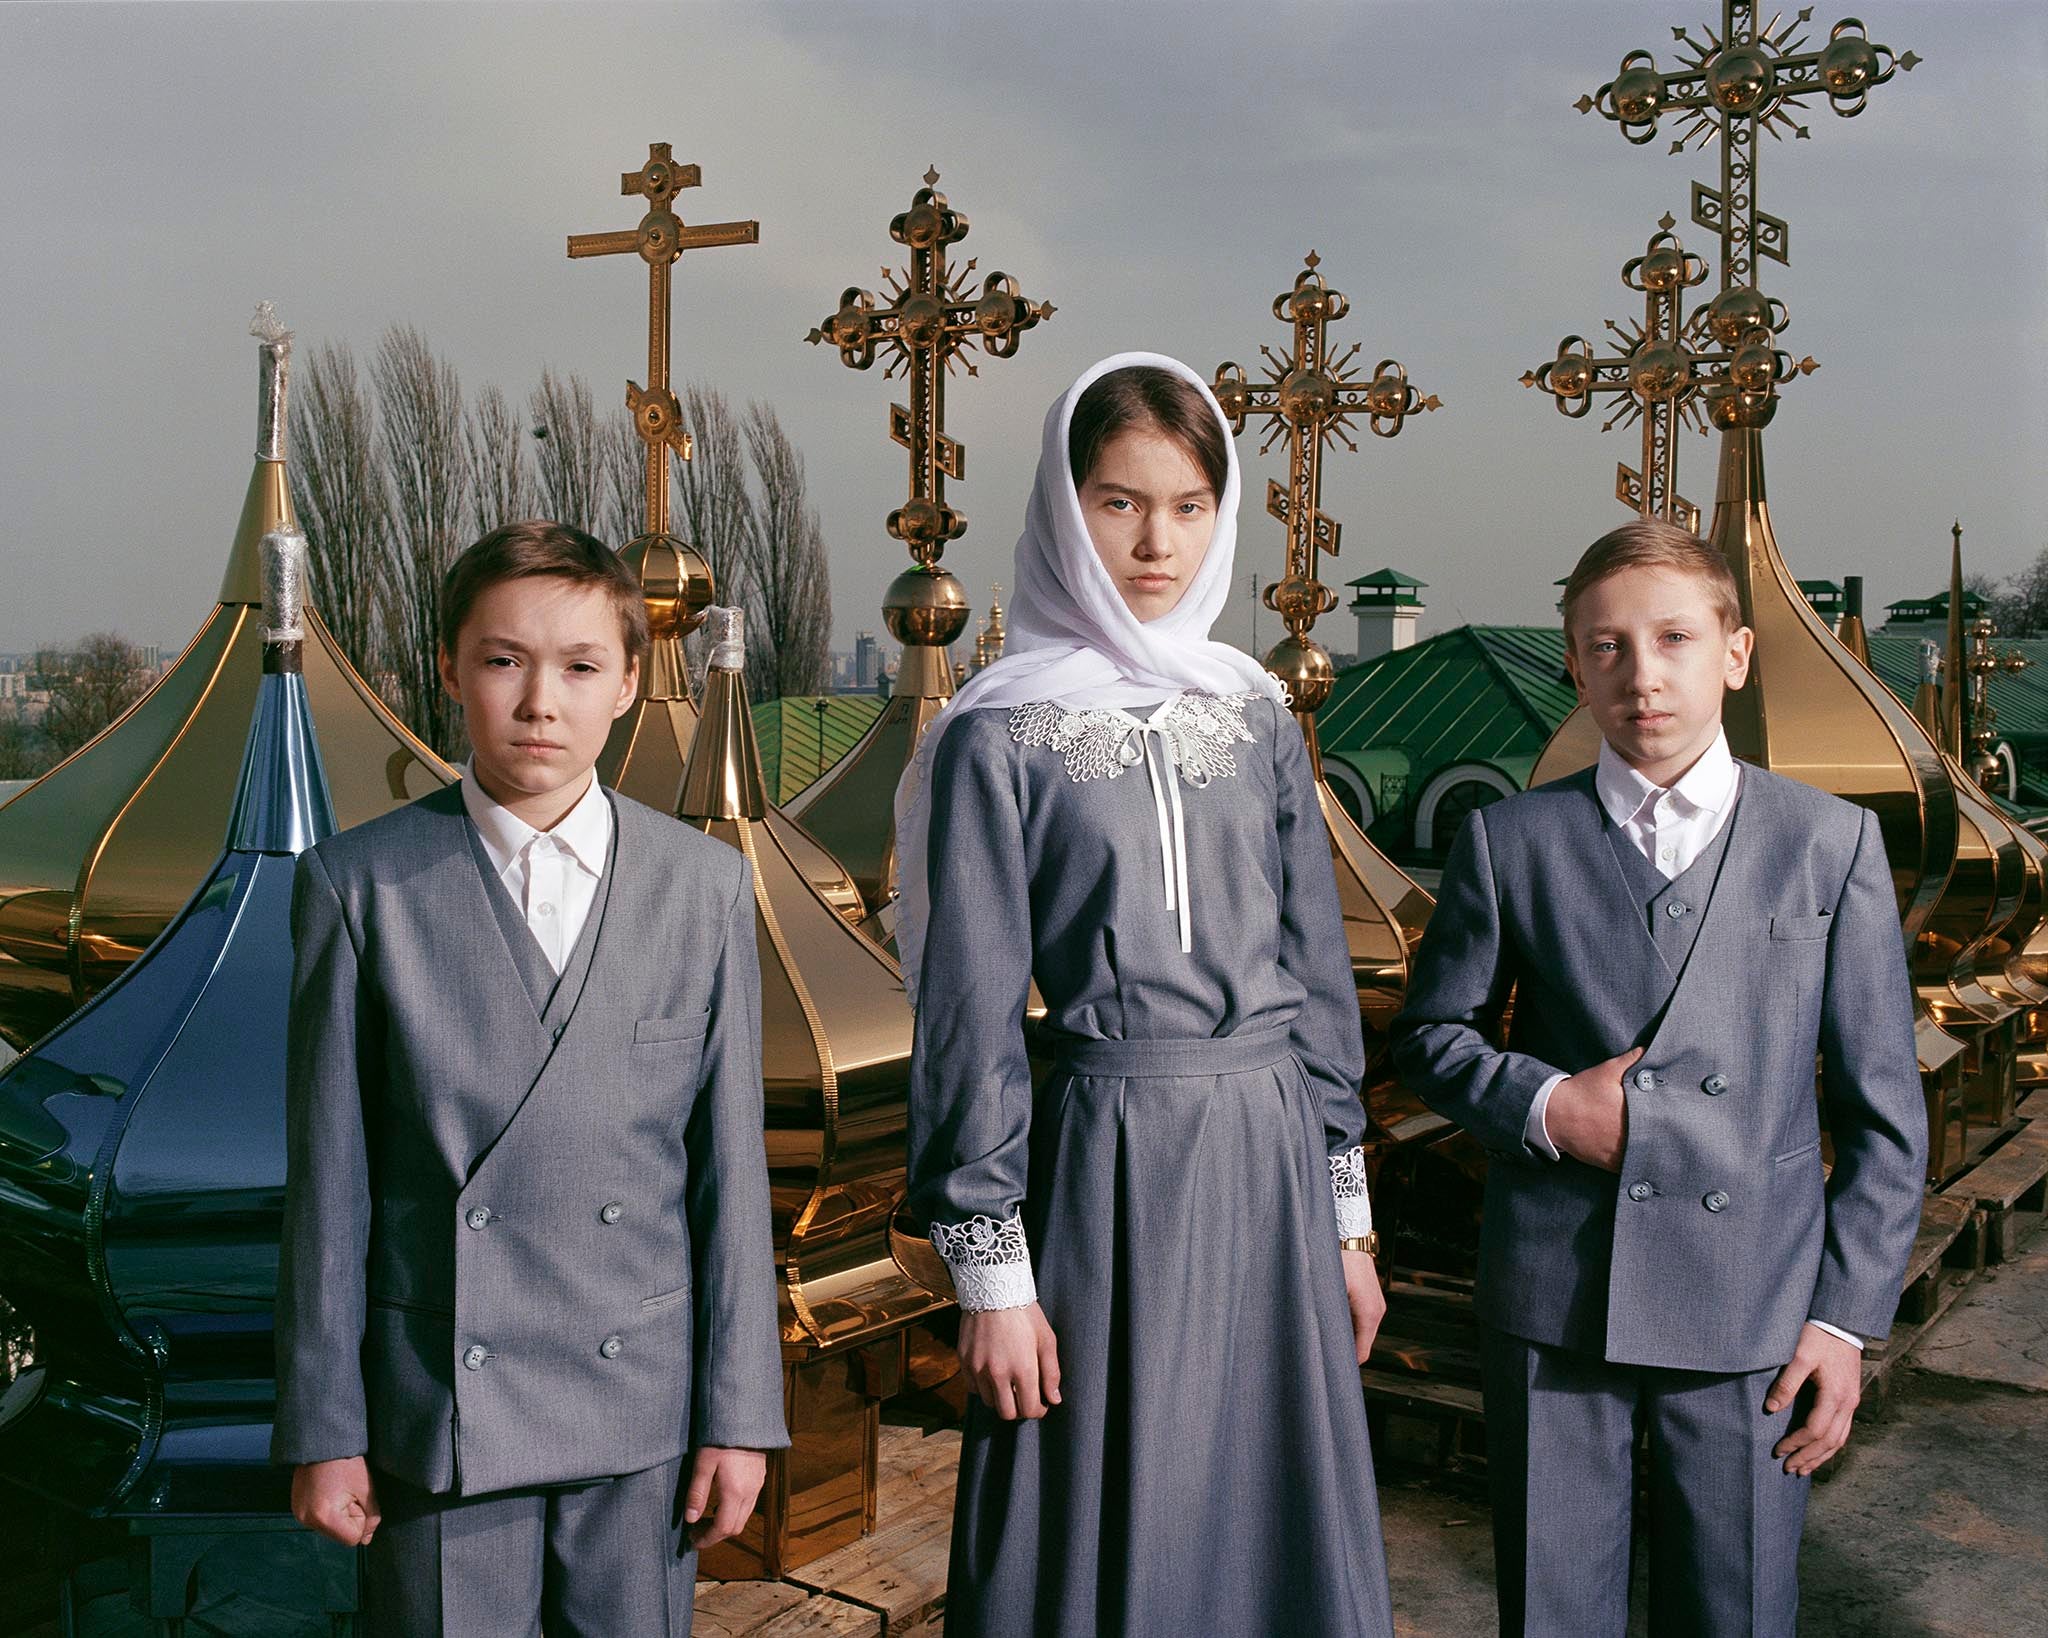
<point>561,1008</point>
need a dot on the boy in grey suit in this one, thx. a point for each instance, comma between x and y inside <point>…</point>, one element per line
<point>1660,1248</point>
<point>527,1344</point>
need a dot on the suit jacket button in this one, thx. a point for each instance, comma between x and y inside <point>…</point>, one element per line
<point>478,1217</point>
<point>1640,1191</point>
<point>1715,1201</point>
<point>611,1347</point>
<point>1674,909</point>
<point>1645,1080</point>
<point>1714,1085</point>
<point>473,1357</point>
<point>610,1212</point>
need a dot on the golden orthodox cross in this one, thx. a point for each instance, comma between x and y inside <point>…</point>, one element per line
<point>1655,374</point>
<point>1311,401</point>
<point>1745,78</point>
<point>660,238</point>
<point>932,319</point>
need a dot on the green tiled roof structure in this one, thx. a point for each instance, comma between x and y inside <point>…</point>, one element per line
<point>788,729</point>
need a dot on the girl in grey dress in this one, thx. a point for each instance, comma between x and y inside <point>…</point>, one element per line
<point>1158,1315</point>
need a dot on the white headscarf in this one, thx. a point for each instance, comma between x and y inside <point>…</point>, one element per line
<point>1073,640</point>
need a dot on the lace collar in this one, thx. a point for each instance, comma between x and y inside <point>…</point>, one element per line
<point>1196,731</point>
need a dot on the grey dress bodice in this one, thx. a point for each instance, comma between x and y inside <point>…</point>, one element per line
<point>1046,861</point>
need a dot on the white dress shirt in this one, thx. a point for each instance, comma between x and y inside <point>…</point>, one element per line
<point>552,875</point>
<point>1670,826</point>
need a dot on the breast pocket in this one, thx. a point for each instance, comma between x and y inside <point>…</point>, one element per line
<point>687,1026</point>
<point>1800,929</point>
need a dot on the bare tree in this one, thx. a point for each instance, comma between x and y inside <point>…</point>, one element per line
<point>566,450</point>
<point>89,685</point>
<point>714,505</point>
<point>788,585</point>
<point>503,491</point>
<point>623,457</point>
<point>339,493</point>
<point>420,407</point>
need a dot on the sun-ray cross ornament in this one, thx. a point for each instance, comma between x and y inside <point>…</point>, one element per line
<point>1745,78</point>
<point>1666,373</point>
<point>1312,401</point>
<point>931,321</point>
<point>660,238</point>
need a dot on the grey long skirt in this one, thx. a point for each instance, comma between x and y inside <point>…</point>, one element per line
<point>1208,1469</point>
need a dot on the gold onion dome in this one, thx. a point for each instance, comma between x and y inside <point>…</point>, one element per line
<point>99,854</point>
<point>649,745</point>
<point>851,808</point>
<point>835,1034</point>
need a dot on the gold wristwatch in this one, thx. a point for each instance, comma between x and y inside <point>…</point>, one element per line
<point>1368,1242</point>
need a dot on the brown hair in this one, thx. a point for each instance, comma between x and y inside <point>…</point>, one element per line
<point>536,546</point>
<point>1652,543</point>
<point>1143,395</point>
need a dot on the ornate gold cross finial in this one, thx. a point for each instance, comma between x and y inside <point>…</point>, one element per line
<point>1669,372</point>
<point>1311,401</point>
<point>1744,78</point>
<point>660,238</point>
<point>931,321</point>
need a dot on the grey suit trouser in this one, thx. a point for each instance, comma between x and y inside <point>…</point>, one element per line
<point>600,1560</point>
<point>1725,1518</point>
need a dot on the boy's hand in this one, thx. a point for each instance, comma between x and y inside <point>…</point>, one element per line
<point>1368,1302</point>
<point>336,1499</point>
<point>1587,1116</point>
<point>1835,1369</point>
<point>724,1485</point>
<point>1012,1360</point>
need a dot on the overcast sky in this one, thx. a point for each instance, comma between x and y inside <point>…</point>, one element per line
<point>1155,171</point>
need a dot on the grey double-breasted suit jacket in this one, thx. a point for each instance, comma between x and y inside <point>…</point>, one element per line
<point>1720,1238</point>
<point>526,1235</point>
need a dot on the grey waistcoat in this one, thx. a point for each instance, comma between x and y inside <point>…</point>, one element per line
<point>1673,909</point>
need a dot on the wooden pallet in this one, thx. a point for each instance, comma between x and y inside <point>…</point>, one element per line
<point>891,1584</point>
<point>2007,1185</point>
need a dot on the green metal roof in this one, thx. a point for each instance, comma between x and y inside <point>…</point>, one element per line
<point>1471,694</point>
<point>790,725</point>
<point>1386,577</point>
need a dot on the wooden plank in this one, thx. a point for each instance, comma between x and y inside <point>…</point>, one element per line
<point>910,1585</point>
<point>739,1609</point>
<point>2034,1106</point>
<point>860,1558</point>
<point>2009,1173</point>
<point>823,1616</point>
<point>1420,1392</point>
<point>1944,1219</point>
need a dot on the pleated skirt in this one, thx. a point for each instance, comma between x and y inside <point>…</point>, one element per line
<point>1208,1470</point>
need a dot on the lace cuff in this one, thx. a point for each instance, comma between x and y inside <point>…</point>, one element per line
<point>989,1262</point>
<point>1347,1183</point>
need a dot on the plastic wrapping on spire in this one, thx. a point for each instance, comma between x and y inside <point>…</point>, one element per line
<point>275,366</point>
<point>726,628</point>
<point>284,565</point>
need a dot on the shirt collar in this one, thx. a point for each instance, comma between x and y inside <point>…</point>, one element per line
<point>584,832</point>
<point>1706,786</point>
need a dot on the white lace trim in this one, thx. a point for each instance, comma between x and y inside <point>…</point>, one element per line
<point>1192,731</point>
<point>1099,742</point>
<point>1347,1184</point>
<point>989,1261</point>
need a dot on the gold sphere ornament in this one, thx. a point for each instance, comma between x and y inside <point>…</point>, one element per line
<point>1307,395</point>
<point>1659,369</point>
<point>1305,670</point>
<point>1638,91</point>
<point>675,583</point>
<point>925,607</point>
<point>1739,79</point>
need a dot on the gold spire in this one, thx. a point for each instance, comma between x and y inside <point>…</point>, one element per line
<point>835,1034</point>
<point>1954,661</point>
<point>99,854</point>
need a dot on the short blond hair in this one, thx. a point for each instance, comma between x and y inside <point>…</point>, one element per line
<point>1652,543</point>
